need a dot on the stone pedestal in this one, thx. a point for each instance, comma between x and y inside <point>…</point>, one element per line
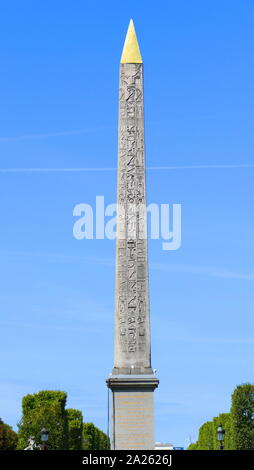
<point>132,411</point>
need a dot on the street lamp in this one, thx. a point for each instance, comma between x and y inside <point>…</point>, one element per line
<point>221,436</point>
<point>44,438</point>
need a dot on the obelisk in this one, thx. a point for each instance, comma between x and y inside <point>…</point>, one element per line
<point>132,381</point>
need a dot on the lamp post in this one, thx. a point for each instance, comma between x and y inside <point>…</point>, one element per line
<point>221,436</point>
<point>44,438</point>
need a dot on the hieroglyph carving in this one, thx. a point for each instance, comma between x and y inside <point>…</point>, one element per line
<point>132,334</point>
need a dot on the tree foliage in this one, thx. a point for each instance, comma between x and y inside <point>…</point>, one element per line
<point>94,438</point>
<point>104,442</point>
<point>225,420</point>
<point>89,436</point>
<point>66,430</point>
<point>238,424</point>
<point>205,436</point>
<point>193,446</point>
<point>44,409</point>
<point>75,428</point>
<point>242,413</point>
<point>8,437</point>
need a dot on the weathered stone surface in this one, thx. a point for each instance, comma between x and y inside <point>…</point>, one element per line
<point>132,317</point>
<point>132,411</point>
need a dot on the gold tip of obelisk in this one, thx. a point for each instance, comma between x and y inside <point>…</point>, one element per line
<point>131,53</point>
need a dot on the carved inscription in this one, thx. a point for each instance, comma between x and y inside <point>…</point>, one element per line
<point>132,279</point>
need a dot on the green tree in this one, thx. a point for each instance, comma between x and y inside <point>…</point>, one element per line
<point>8,437</point>
<point>75,428</point>
<point>44,409</point>
<point>89,436</point>
<point>225,420</point>
<point>104,442</point>
<point>193,446</point>
<point>242,414</point>
<point>205,436</point>
<point>94,438</point>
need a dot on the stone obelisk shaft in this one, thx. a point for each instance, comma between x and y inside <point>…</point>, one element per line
<point>132,318</point>
<point>132,382</point>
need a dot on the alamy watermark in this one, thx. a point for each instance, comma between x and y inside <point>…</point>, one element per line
<point>164,222</point>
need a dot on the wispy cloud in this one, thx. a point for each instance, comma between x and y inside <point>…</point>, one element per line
<point>46,135</point>
<point>54,134</point>
<point>149,168</point>
<point>81,328</point>
<point>201,167</point>
<point>203,270</point>
<point>110,262</point>
<point>213,340</point>
<point>55,170</point>
<point>56,257</point>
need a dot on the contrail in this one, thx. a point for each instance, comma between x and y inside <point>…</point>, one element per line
<point>53,170</point>
<point>54,134</point>
<point>200,167</point>
<point>150,168</point>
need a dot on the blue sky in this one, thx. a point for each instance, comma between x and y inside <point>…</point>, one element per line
<point>59,92</point>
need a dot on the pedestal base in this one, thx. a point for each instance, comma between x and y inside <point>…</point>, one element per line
<point>132,423</point>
